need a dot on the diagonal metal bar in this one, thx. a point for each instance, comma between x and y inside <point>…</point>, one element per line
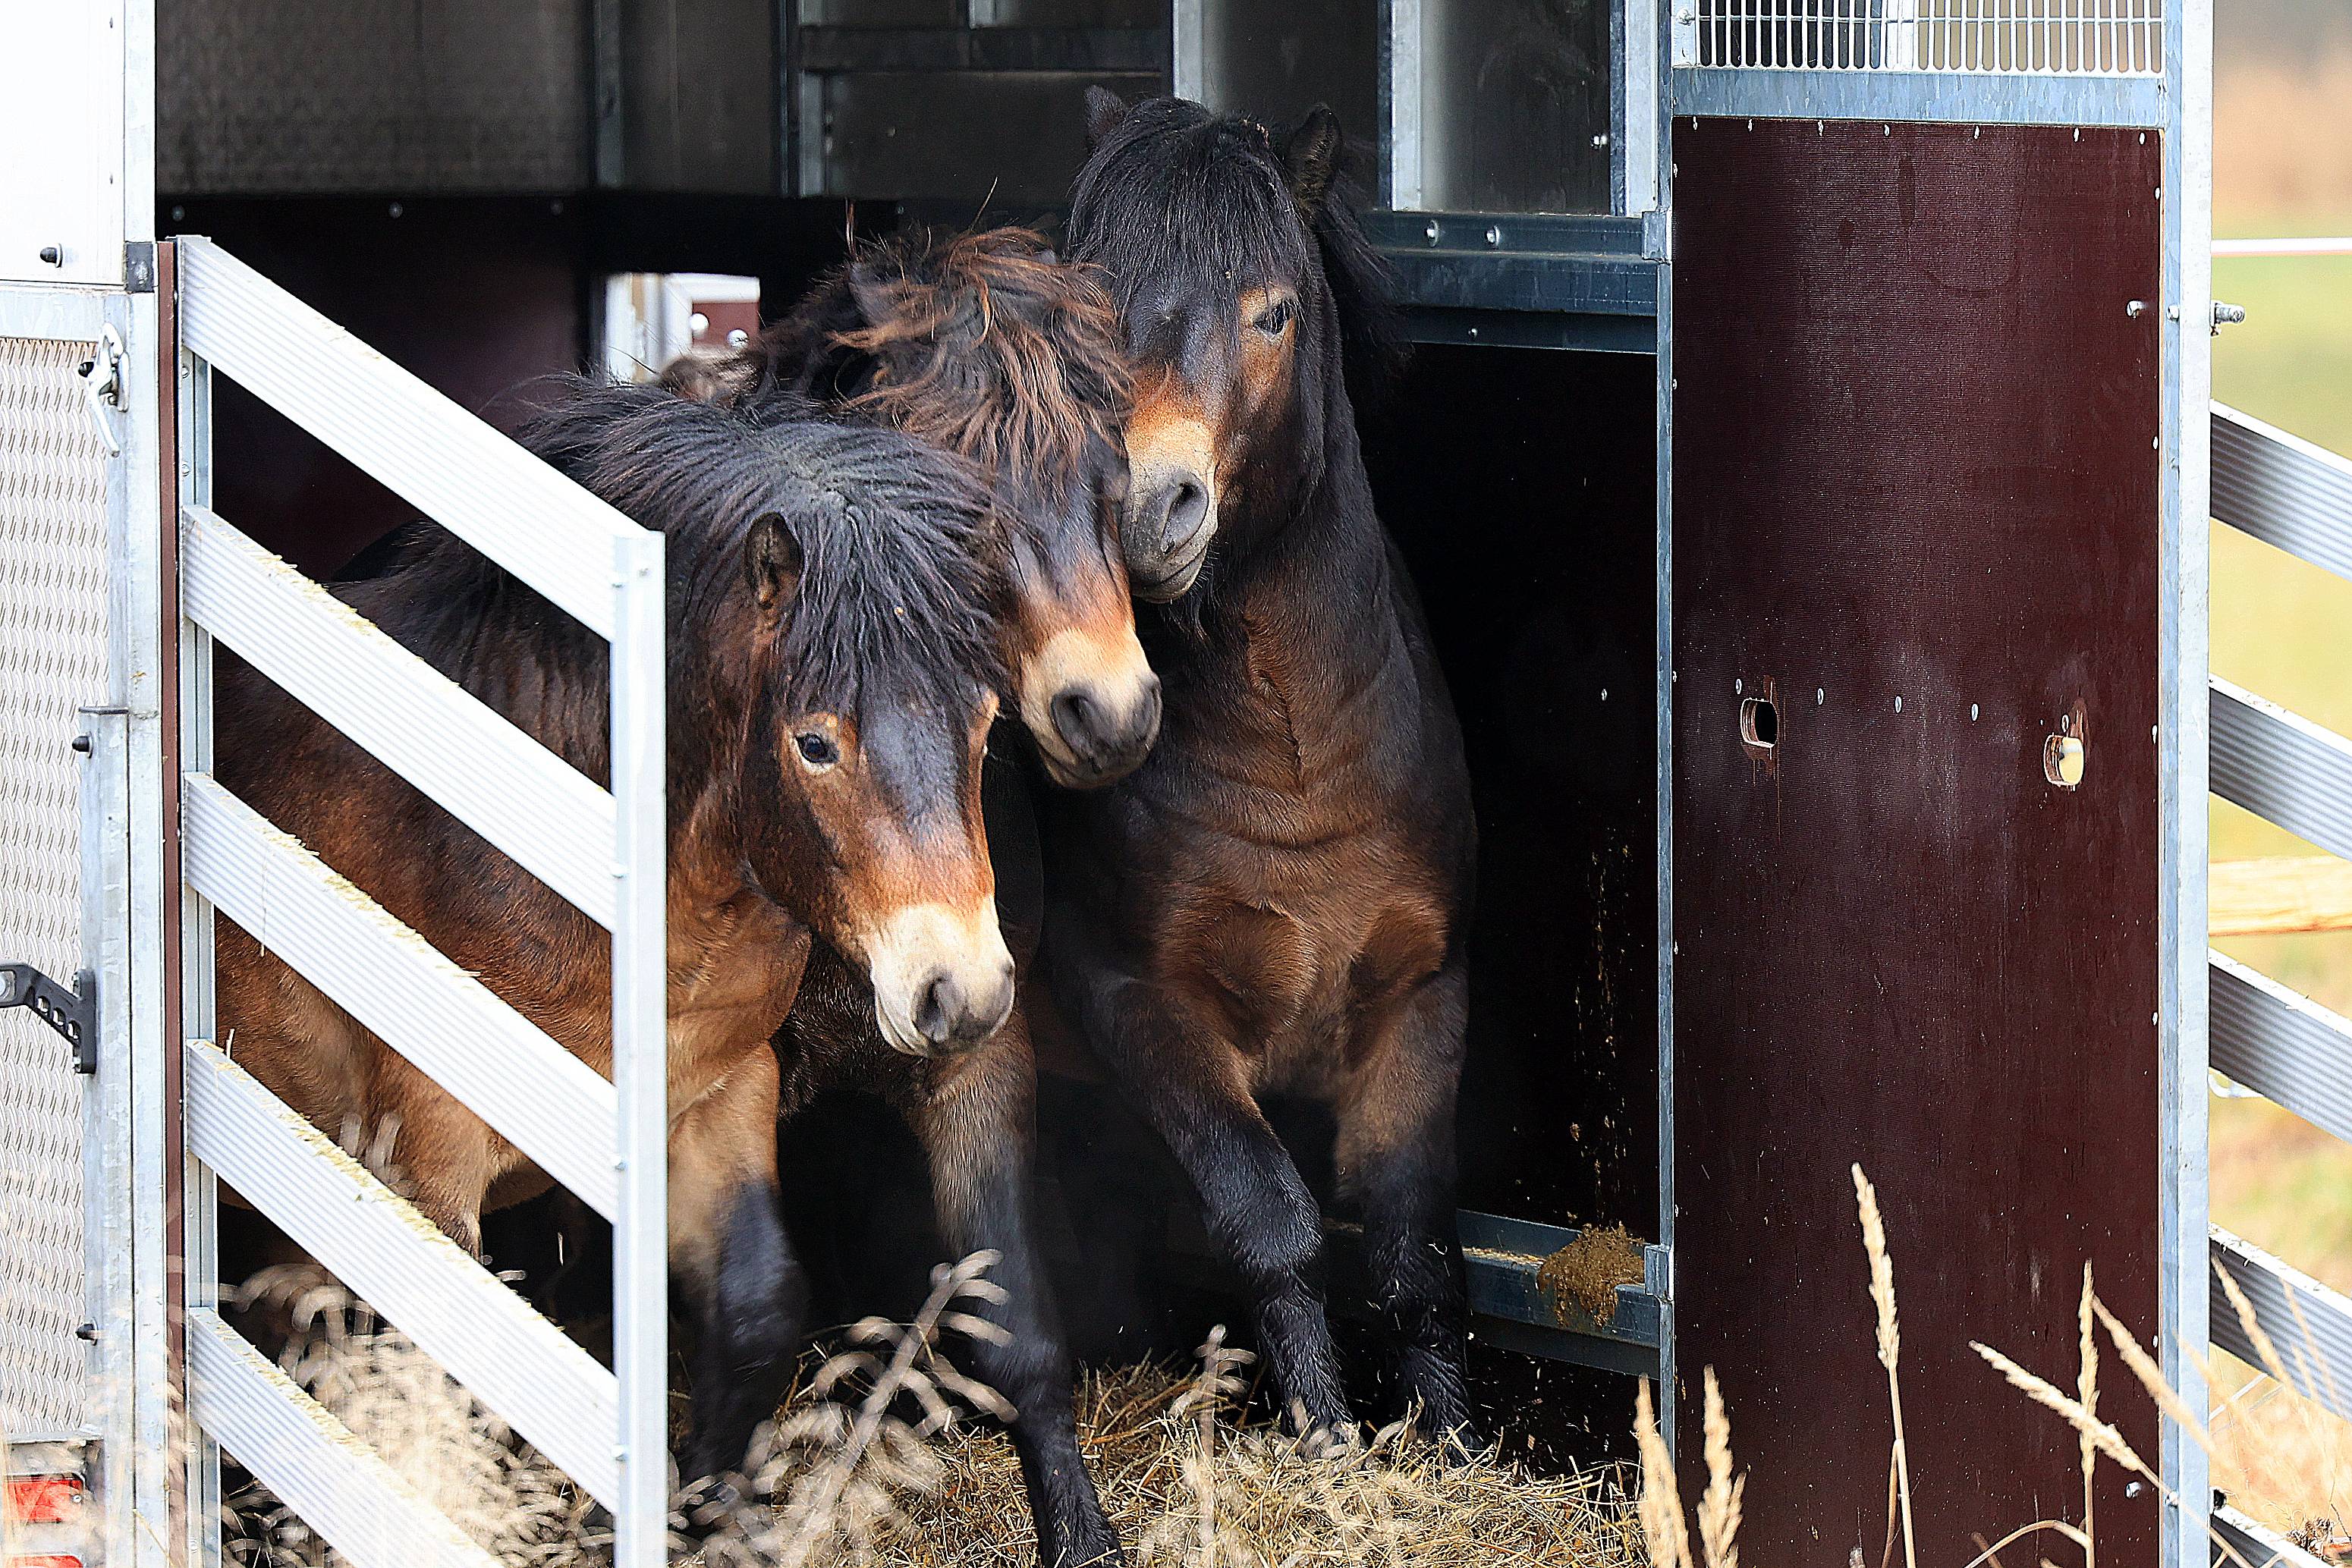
<point>2282,767</point>
<point>2308,1324</point>
<point>2282,1045</point>
<point>2283,489</point>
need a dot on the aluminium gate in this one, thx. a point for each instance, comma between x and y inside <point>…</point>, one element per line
<point>604,852</point>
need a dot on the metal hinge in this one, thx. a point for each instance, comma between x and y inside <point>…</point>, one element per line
<point>73,1014</point>
<point>139,267</point>
<point>101,385</point>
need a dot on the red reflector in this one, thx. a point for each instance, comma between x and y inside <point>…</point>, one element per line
<point>43,1500</point>
<point>50,1560</point>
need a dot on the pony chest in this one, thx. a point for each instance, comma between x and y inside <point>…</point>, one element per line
<point>735,968</point>
<point>1301,967</point>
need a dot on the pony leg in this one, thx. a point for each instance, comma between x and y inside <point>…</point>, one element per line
<point>978,1123</point>
<point>440,1155</point>
<point>1190,1086</point>
<point>1396,1160</point>
<point>744,1290</point>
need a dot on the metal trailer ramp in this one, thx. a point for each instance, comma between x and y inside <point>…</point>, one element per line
<point>603,851</point>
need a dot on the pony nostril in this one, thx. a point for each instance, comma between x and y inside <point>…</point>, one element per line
<point>1077,719</point>
<point>1188,503</point>
<point>936,1006</point>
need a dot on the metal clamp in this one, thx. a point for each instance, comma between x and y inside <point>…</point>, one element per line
<point>101,385</point>
<point>73,1014</point>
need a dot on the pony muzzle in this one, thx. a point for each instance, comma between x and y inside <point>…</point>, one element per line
<point>942,977</point>
<point>1092,703</point>
<point>1172,518</point>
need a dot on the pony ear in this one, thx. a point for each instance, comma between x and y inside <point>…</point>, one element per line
<point>773,557</point>
<point>876,300</point>
<point>1311,159</point>
<point>1105,110</point>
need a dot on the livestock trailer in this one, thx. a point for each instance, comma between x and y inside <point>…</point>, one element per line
<point>1805,463</point>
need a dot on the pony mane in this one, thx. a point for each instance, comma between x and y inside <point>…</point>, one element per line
<point>1181,188</point>
<point>893,574</point>
<point>1018,359</point>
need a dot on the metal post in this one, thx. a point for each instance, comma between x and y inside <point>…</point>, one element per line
<point>106,1120</point>
<point>199,1265</point>
<point>2185,605</point>
<point>640,1054</point>
<point>1188,45</point>
<point>1402,175</point>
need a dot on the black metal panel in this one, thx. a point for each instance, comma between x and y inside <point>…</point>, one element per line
<point>1513,94</point>
<point>1275,62</point>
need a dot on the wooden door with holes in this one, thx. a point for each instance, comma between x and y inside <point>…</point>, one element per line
<point>1915,813</point>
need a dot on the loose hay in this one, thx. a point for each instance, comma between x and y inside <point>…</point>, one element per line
<point>1269,1500</point>
<point>1190,1478</point>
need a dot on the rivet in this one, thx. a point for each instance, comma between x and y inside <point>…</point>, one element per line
<point>1605,693</point>
<point>1493,233</point>
<point>1973,713</point>
<point>1898,705</point>
<point>1430,232</point>
<point>1737,687</point>
<point>1818,696</point>
<point>395,209</point>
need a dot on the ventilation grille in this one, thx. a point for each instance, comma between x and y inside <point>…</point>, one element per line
<point>2023,38</point>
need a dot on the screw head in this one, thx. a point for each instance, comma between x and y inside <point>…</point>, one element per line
<point>1493,233</point>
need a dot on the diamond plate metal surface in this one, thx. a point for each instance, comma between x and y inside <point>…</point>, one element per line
<point>53,626</point>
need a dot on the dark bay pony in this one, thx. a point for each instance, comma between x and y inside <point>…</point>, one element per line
<point>831,687</point>
<point>983,344</point>
<point>1277,901</point>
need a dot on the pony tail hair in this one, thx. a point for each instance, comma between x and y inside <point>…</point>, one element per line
<point>1372,344</point>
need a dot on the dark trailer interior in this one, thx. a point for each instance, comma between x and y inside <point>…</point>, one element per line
<point>1762,585</point>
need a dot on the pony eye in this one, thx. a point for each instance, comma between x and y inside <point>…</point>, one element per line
<point>816,750</point>
<point>1274,318</point>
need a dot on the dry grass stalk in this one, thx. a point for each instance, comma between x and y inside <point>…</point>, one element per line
<point>843,1476</point>
<point>2087,1389</point>
<point>1661,1502</point>
<point>1718,1506</point>
<point>1890,1343</point>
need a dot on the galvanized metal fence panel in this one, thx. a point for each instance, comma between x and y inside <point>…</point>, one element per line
<point>551,1104</point>
<point>2283,768</point>
<point>311,1461</point>
<point>472,481</point>
<point>606,851</point>
<point>460,1314</point>
<point>490,775</point>
<point>2284,1046</point>
<point>2309,1326</point>
<point>53,660</point>
<point>2283,489</point>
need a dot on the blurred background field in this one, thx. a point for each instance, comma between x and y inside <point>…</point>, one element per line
<point>2283,165</point>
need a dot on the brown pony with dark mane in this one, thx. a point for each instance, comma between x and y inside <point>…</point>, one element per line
<point>831,687</point>
<point>1275,902</point>
<point>985,345</point>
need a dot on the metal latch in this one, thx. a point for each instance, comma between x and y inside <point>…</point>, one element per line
<point>2226,315</point>
<point>101,385</point>
<point>73,1014</point>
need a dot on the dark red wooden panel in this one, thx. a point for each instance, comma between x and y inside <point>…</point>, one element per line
<point>1916,505</point>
